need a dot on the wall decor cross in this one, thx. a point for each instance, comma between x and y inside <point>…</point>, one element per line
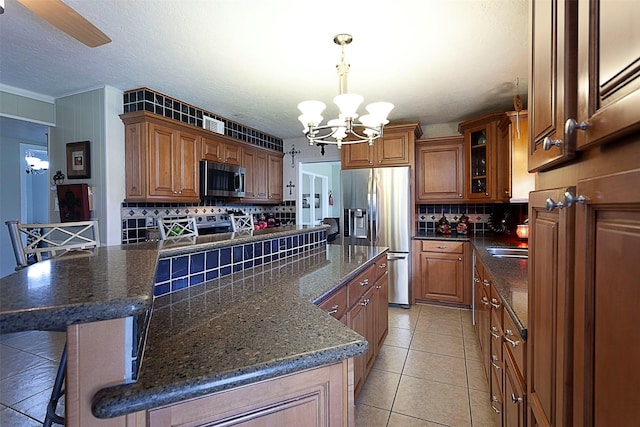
<point>293,152</point>
<point>290,185</point>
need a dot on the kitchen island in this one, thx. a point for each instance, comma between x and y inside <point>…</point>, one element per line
<point>256,324</point>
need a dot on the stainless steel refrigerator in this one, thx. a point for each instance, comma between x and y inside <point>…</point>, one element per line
<point>377,212</point>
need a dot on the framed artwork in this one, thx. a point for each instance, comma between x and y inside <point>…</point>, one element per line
<point>78,160</point>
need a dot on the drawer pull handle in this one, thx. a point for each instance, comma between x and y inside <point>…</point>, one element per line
<point>334,309</point>
<point>507,334</point>
<point>484,301</point>
<point>493,332</point>
<point>494,359</point>
<point>442,247</point>
<point>495,303</point>
<point>378,286</point>
<point>365,282</point>
<point>515,399</point>
<point>485,282</point>
<point>383,265</point>
<point>365,302</point>
<point>493,400</point>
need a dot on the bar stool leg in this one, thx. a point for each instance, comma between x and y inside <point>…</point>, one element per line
<point>57,393</point>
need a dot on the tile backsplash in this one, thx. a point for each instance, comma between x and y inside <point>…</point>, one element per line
<point>137,217</point>
<point>479,214</point>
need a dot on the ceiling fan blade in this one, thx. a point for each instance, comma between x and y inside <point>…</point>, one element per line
<point>68,20</point>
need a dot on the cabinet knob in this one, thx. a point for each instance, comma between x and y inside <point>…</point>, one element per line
<point>459,258</point>
<point>567,201</point>
<point>365,282</point>
<point>334,309</point>
<point>548,143</point>
<point>571,125</point>
<point>460,195</point>
<point>495,303</point>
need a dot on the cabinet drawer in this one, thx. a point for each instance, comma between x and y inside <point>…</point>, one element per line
<point>336,303</point>
<point>496,334</point>
<point>361,284</point>
<point>381,266</point>
<point>442,246</point>
<point>513,342</point>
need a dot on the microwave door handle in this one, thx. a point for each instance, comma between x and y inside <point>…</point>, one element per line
<point>238,183</point>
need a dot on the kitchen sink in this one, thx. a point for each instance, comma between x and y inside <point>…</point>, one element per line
<point>506,252</point>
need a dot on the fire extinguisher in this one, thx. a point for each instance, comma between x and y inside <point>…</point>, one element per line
<point>330,198</point>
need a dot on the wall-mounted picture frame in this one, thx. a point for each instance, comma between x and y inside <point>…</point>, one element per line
<point>78,160</point>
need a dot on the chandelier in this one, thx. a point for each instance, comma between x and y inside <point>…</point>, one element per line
<point>344,129</point>
<point>35,165</point>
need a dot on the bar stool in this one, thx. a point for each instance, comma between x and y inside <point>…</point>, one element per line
<point>36,242</point>
<point>241,222</point>
<point>177,227</point>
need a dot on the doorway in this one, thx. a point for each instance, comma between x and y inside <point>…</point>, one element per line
<point>318,185</point>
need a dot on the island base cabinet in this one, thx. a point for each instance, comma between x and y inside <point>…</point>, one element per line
<point>316,397</point>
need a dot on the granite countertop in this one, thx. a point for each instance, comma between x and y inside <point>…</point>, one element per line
<point>508,275</point>
<point>247,327</point>
<point>106,283</point>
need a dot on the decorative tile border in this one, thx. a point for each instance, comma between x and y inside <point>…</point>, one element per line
<point>429,215</point>
<point>137,217</point>
<point>182,271</point>
<point>145,99</point>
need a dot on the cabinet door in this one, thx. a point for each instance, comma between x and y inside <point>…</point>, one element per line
<point>552,88</point>
<point>608,70</point>
<point>232,154</point>
<point>135,143</point>
<point>607,349</point>
<point>381,309</point>
<point>516,136</point>
<point>514,402</point>
<point>479,161</point>
<point>550,309</point>
<point>212,149</point>
<point>441,275</point>
<point>358,320</point>
<point>440,170</point>
<point>355,156</point>
<point>248,161</point>
<point>187,172</point>
<point>161,161</point>
<point>274,167</point>
<point>394,149</point>
<point>482,313</point>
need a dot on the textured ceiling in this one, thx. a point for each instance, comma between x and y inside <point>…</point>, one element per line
<point>252,61</point>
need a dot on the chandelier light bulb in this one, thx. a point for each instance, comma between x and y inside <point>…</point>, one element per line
<point>348,104</point>
<point>380,111</point>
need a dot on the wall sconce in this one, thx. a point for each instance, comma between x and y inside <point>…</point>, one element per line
<point>35,165</point>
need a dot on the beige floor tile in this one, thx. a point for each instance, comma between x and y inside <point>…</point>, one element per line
<point>467,317</point>
<point>380,389</point>
<point>437,343</point>
<point>10,417</point>
<point>403,318</point>
<point>26,384</point>
<point>472,351</point>
<point>391,359</point>
<point>439,325</point>
<point>433,401</point>
<point>481,412</point>
<point>436,367</point>
<point>41,343</point>
<point>15,361</point>
<point>399,420</point>
<point>476,375</point>
<point>36,406</point>
<point>440,310</point>
<point>399,337</point>
<point>370,416</point>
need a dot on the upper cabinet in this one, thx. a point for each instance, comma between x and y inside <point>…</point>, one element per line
<point>161,162</point>
<point>217,150</point>
<point>263,178</point>
<point>440,170</point>
<point>608,93</point>
<point>395,148</point>
<point>552,82</point>
<point>486,164</point>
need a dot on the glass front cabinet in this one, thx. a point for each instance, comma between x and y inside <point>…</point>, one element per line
<point>486,160</point>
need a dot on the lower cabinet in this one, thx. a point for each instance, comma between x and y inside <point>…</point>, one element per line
<point>309,398</point>
<point>503,352</point>
<point>439,272</point>
<point>363,305</point>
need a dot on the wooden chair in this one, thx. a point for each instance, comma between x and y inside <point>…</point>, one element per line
<point>241,222</point>
<point>34,242</point>
<point>171,228</point>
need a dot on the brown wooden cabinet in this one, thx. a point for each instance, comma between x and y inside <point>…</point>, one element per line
<point>550,309</point>
<point>395,148</point>
<point>439,272</point>
<point>486,160</point>
<point>608,71</point>
<point>161,161</point>
<point>381,301</point>
<point>274,178</point>
<point>552,87</point>
<point>513,130</point>
<point>214,148</point>
<point>255,163</point>
<point>440,170</point>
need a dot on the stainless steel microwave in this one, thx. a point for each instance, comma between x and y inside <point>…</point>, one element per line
<point>218,180</point>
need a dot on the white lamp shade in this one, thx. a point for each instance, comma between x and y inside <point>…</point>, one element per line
<point>309,120</point>
<point>339,129</point>
<point>311,108</point>
<point>380,111</point>
<point>348,104</point>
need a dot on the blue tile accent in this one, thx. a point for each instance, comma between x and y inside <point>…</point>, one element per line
<point>179,266</point>
<point>198,278</point>
<point>248,251</point>
<point>257,249</point>
<point>212,274</point>
<point>164,270</point>
<point>237,254</point>
<point>212,259</point>
<point>161,289</point>
<point>225,256</point>
<point>225,271</point>
<point>180,283</point>
<point>267,247</point>
<point>197,263</point>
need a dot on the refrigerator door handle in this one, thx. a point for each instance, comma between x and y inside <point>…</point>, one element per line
<point>391,257</point>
